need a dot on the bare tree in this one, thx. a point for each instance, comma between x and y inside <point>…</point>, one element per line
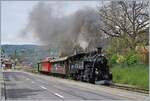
<point>128,20</point>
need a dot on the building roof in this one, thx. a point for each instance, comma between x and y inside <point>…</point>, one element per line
<point>47,59</point>
<point>142,49</point>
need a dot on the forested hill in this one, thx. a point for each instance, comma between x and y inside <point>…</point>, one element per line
<point>28,53</point>
<point>10,49</point>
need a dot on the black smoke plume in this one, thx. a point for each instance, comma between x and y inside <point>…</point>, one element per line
<point>68,33</point>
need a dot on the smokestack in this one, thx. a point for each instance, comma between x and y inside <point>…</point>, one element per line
<point>99,50</point>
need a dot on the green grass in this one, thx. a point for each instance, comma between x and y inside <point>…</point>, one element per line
<point>136,75</point>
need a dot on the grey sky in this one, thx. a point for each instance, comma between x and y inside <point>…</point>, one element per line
<point>14,17</point>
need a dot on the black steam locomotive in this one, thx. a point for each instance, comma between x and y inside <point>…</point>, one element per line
<point>89,67</point>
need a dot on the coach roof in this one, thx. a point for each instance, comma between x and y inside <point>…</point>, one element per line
<point>59,59</point>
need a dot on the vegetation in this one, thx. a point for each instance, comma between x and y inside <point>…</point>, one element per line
<point>128,69</point>
<point>137,75</point>
<point>126,21</point>
<point>28,69</point>
<point>27,54</point>
<point>126,24</point>
<point>128,58</point>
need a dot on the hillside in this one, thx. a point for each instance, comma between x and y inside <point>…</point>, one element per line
<point>28,54</point>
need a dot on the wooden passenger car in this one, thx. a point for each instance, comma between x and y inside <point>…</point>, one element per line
<point>45,65</point>
<point>76,65</point>
<point>60,66</point>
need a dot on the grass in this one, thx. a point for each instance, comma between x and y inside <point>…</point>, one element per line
<point>136,75</point>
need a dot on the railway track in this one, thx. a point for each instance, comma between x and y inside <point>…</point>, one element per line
<point>129,88</point>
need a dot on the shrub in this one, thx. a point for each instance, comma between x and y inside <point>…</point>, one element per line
<point>129,59</point>
<point>120,59</point>
<point>114,58</point>
<point>132,58</point>
<point>117,59</point>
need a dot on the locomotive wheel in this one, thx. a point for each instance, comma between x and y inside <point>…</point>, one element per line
<point>92,81</point>
<point>110,76</point>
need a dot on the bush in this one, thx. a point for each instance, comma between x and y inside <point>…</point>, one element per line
<point>114,58</point>
<point>117,59</point>
<point>132,58</point>
<point>120,59</point>
<point>129,59</point>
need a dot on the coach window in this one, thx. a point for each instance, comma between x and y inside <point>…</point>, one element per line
<point>55,65</point>
<point>61,64</point>
<point>58,64</point>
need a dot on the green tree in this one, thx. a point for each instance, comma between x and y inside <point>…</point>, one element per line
<point>126,21</point>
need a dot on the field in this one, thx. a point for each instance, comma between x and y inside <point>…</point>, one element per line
<point>136,75</point>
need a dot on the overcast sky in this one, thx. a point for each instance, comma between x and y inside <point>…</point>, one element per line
<point>14,17</point>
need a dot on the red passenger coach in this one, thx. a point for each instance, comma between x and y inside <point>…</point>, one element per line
<point>45,65</point>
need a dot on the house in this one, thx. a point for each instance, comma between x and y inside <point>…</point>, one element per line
<point>7,63</point>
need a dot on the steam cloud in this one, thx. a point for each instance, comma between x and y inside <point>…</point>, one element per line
<point>66,32</point>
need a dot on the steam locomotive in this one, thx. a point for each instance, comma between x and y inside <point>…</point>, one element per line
<point>89,67</point>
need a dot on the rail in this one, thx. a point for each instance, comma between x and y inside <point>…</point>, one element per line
<point>129,88</point>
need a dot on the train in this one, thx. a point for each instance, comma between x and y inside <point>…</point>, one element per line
<point>89,67</point>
